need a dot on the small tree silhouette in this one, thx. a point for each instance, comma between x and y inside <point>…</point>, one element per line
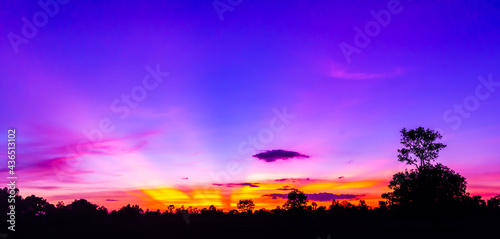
<point>296,200</point>
<point>362,205</point>
<point>419,146</point>
<point>245,205</point>
<point>171,208</point>
<point>212,208</point>
<point>314,206</point>
<point>60,204</point>
<point>494,202</point>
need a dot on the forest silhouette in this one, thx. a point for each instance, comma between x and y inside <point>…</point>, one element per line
<point>429,200</point>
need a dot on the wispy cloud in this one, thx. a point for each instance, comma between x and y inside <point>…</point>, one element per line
<point>60,157</point>
<point>286,188</point>
<point>338,72</point>
<point>291,179</point>
<point>253,185</point>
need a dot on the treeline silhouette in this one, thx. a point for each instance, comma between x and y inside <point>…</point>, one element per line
<point>35,215</point>
<point>430,196</point>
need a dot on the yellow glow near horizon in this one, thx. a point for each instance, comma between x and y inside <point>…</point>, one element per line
<point>227,196</point>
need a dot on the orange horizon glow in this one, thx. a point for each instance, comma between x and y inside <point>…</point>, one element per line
<point>226,198</point>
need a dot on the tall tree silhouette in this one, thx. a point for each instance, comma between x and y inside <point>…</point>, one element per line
<point>419,145</point>
<point>428,186</point>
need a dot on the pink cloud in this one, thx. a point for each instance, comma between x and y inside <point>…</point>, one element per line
<point>52,154</point>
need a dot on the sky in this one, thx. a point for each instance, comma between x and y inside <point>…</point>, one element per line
<point>161,103</point>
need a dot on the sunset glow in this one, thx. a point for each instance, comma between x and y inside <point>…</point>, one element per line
<point>164,103</point>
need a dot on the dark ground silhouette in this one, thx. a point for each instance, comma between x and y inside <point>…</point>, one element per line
<point>35,218</point>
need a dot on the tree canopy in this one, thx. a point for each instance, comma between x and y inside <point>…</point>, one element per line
<point>431,185</point>
<point>245,205</point>
<point>419,148</point>
<point>296,200</point>
<point>428,185</point>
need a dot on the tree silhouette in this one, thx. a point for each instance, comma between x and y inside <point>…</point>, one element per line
<point>296,200</point>
<point>84,212</point>
<point>494,202</point>
<point>171,208</point>
<point>128,213</point>
<point>428,187</point>
<point>362,205</point>
<point>233,212</point>
<point>433,192</point>
<point>431,185</point>
<point>36,205</point>
<point>135,209</point>
<point>245,205</point>
<point>60,204</point>
<point>419,146</point>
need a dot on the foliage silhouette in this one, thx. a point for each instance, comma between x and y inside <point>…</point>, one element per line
<point>494,202</point>
<point>314,206</point>
<point>418,145</point>
<point>297,200</point>
<point>245,205</point>
<point>434,191</point>
<point>427,186</point>
<point>36,216</point>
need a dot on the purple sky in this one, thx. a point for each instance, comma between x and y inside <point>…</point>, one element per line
<point>233,77</point>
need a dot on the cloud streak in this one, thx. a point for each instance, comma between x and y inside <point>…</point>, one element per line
<point>321,197</point>
<point>344,74</point>
<point>291,179</point>
<point>252,185</point>
<point>286,188</point>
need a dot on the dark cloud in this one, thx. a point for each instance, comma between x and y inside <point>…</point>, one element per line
<point>341,177</point>
<point>286,188</point>
<point>275,195</point>
<point>291,179</point>
<point>322,197</point>
<point>329,196</point>
<point>281,179</point>
<point>111,200</point>
<point>185,178</point>
<point>252,185</point>
<point>275,154</point>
